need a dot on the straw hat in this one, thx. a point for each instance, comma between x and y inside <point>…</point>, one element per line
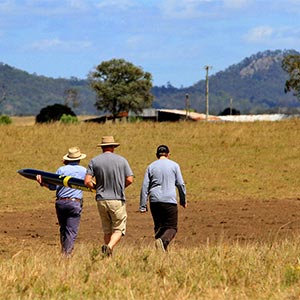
<point>74,154</point>
<point>108,141</point>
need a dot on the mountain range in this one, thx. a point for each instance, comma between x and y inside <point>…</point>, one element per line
<point>254,85</point>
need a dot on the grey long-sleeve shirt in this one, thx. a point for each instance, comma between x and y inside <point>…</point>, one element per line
<point>161,179</point>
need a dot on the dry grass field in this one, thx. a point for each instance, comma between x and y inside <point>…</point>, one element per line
<point>238,238</point>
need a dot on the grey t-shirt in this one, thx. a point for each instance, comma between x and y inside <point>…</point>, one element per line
<point>110,171</point>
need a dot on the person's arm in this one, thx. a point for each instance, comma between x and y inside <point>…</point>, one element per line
<point>181,188</point>
<point>88,181</point>
<point>39,179</point>
<point>128,173</point>
<point>144,193</point>
<point>182,195</point>
<point>128,181</point>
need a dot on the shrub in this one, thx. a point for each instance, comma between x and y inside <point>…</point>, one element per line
<point>53,113</point>
<point>227,111</point>
<point>5,120</point>
<point>68,119</point>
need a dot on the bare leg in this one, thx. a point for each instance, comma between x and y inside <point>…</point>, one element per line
<point>110,240</point>
<point>114,239</point>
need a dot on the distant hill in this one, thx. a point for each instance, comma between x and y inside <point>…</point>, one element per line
<point>27,94</point>
<point>255,85</point>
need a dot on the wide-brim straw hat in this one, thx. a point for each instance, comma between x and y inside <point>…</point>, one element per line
<point>108,141</point>
<point>74,154</point>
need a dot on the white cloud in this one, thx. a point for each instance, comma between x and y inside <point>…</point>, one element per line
<point>162,35</point>
<point>11,8</point>
<point>47,44</point>
<point>291,7</point>
<point>77,3</point>
<point>237,4</point>
<point>287,37</point>
<point>185,8</point>
<point>259,34</point>
<point>120,4</point>
<point>7,7</point>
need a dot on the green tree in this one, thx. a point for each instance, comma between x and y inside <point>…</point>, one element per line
<point>291,64</point>
<point>121,86</point>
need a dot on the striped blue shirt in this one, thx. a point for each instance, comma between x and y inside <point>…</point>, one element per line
<point>71,169</point>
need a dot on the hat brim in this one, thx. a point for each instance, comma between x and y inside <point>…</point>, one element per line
<point>109,144</point>
<point>82,156</point>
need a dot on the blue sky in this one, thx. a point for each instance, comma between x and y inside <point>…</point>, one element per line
<point>171,39</point>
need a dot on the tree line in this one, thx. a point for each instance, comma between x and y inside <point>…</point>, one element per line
<point>118,86</point>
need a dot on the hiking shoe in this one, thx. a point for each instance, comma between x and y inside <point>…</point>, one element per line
<point>106,250</point>
<point>160,245</point>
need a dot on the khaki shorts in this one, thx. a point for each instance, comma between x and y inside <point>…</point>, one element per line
<point>113,215</point>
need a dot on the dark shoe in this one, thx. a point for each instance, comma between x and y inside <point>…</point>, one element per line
<point>160,245</point>
<point>106,250</point>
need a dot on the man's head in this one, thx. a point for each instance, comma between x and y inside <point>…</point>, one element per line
<point>162,150</point>
<point>108,142</point>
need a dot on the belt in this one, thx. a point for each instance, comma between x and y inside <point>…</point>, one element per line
<point>69,199</point>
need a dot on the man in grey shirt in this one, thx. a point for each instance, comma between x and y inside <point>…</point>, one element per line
<point>161,179</point>
<point>112,174</point>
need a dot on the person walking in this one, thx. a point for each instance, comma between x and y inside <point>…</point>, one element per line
<point>161,179</point>
<point>69,201</point>
<point>110,174</point>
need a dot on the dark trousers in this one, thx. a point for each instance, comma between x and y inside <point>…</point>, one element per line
<point>165,218</point>
<point>68,215</point>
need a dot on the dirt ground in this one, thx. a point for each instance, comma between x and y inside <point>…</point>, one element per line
<point>202,222</point>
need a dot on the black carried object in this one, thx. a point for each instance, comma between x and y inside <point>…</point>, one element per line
<point>52,178</point>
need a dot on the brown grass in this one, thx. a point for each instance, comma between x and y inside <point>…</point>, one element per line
<point>228,161</point>
<point>218,160</point>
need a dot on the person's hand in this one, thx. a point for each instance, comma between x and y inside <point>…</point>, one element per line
<point>143,210</point>
<point>39,179</point>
